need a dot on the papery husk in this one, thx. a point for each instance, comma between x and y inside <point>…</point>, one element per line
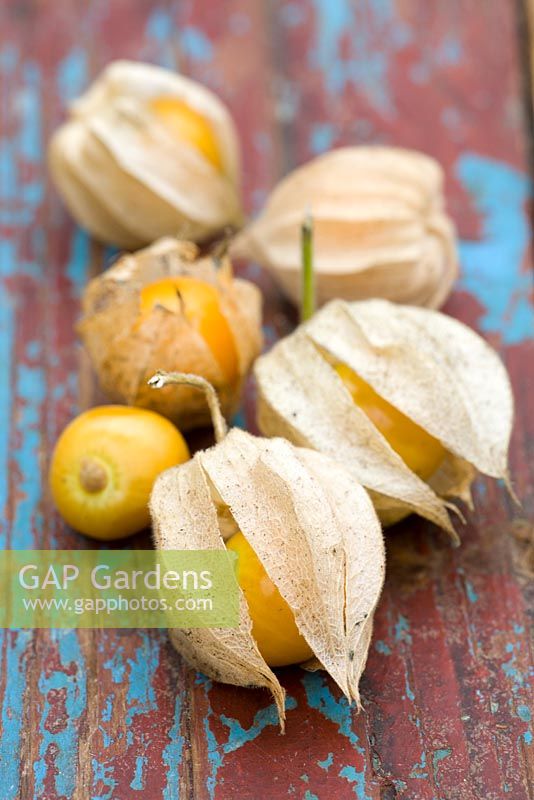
<point>316,533</point>
<point>126,352</point>
<point>126,179</point>
<point>434,369</point>
<point>380,228</point>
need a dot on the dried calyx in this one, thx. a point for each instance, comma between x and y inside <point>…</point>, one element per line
<point>312,527</point>
<point>164,307</point>
<point>398,394</point>
<point>381,227</point>
<point>411,402</point>
<point>147,153</point>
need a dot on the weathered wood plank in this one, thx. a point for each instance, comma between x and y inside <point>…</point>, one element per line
<point>446,691</point>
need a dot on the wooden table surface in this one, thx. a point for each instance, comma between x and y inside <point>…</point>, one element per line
<point>116,714</point>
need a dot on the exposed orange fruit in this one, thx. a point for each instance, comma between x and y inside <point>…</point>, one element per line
<point>187,125</point>
<point>273,623</point>
<point>420,451</point>
<point>199,301</point>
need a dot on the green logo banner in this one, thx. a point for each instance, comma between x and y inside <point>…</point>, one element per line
<point>118,589</point>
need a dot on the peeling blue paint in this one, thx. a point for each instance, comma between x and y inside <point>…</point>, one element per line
<point>472,596</point>
<point>106,738</point>
<point>402,630</point>
<point>510,668</point>
<point>141,696</point>
<point>438,756</point>
<point>28,521</point>
<point>77,268</point>
<point>65,740</point>
<point>419,769</point>
<point>173,753</point>
<point>362,25</point>
<point>160,25</point>
<point>195,45</point>
<point>137,783</point>
<point>237,735</point>
<point>322,137</point>
<point>30,140</point>
<point>72,75</point>
<point>525,715</point>
<point>20,199</point>
<point>448,53</point>
<point>492,268</point>
<point>103,773</point>
<point>327,763</point>
<point>108,708</point>
<point>138,672</point>
<point>408,690</point>
<point>357,778</point>
<point>320,697</point>
<point>13,645</point>
<point>383,648</point>
<point>116,665</point>
<point>6,395</point>
<point>160,32</point>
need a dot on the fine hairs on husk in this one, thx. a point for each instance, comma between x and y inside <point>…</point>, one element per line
<point>314,530</point>
<point>435,370</point>
<point>381,229</point>
<point>123,174</point>
<point>126,348</point>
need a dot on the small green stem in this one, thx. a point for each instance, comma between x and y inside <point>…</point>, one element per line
<point>307,307</point>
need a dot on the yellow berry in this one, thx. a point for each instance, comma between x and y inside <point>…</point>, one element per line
<point>273,623</point>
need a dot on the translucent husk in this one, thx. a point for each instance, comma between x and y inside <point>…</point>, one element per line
<point>123,175</point>
<point>380,227</point>
<point>315,532</point>
<point>126,348</point>
<point>434,369</point>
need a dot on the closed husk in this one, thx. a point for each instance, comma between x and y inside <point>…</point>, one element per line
<point>126,178</point>
<point>435,370</point>
<point>126,348</point>
<point>380,227</point>
<point>313,528</point>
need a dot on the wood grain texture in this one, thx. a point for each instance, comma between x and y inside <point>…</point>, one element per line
<point>448,688</point>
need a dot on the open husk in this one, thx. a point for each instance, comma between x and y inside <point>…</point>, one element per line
<point>126,348</point>
<point>126,178</point>
<point>380,227</point>
<point>313,528</point>
<point>435,370</point>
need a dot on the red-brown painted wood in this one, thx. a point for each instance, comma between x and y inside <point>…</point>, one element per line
<point>447,689</point>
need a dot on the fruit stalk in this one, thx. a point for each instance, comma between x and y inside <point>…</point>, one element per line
<point>161,379</point>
